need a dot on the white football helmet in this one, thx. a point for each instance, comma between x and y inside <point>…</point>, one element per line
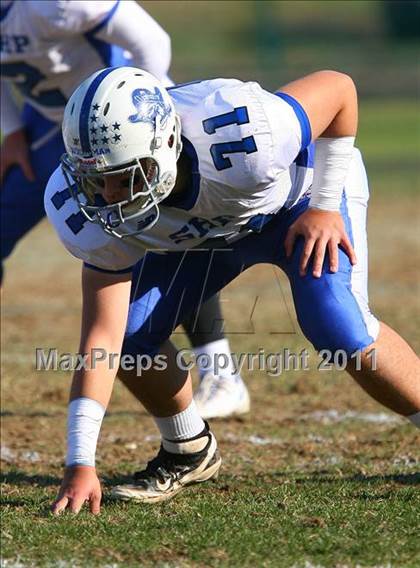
<point>121,121</point>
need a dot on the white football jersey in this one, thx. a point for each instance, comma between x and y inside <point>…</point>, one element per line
<point>248,156</point>
<point>49,47</point>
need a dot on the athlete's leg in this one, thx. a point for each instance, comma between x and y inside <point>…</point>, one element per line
<point>22,201</point>
<point>206,326</point>
<point>163,392</point>
<point>396,381</point>
<point>221,392</point>
<point>334,314</point>
<point>166,290</point>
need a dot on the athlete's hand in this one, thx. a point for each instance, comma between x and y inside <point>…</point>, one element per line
<point>323,231</point>
<point>80,484</point>
<point>15,150</point>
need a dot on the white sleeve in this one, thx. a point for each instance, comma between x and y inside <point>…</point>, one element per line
<point>58,19</point>
<point>70,17</point>
<point>10,114</point>
<point>122,22</point>
<point>133,29</point>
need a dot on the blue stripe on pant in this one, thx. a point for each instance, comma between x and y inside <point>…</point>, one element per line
<point>22,201</point>
<point>167,288</point>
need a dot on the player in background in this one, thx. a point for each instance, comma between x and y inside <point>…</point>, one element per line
<point>200,183</point>
<point>47,49</point>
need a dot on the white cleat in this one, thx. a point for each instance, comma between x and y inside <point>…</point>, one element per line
<point>220,397</point>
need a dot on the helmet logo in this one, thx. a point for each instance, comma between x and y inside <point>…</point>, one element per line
<point>149,105</point>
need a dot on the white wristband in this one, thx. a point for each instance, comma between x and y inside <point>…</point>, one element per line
<point>331,164</point>
<point>84,422</point>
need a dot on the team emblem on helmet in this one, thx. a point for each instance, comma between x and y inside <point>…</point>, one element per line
<point>149,105</point>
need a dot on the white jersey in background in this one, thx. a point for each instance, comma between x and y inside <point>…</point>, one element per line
<point>247,150</point>
<point>49,47</point>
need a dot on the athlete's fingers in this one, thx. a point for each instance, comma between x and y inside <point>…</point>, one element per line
<point>348,249</point>
<point>319,256</point>
<point>26,166</point>
<point>59,505</point>
<point>95,503</point>
<point>22,161</point>
<point>290,241</point>
<point>306,255</point>
<point>333,253</point>
<point>76,504</point>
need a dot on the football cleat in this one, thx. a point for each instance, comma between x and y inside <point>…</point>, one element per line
<point>177,465</point>
<point>220,397</point>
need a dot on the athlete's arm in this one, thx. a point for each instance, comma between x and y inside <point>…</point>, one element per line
<point>9,112</point>
<point>14,148</point>
<point>330,101</point>
<point>104,317</point>
<point>109,22</point>
<point>132,28</point>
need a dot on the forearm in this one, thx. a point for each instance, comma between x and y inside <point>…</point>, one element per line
<point>104,317</point>
<point>105,308</point>
<point>330,101</point>
<point>96,379</point>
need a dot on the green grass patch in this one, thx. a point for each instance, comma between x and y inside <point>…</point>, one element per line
<point>273,519</point>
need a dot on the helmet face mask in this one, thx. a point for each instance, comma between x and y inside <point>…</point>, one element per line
<point>140,195</point>
<point>136,156</point>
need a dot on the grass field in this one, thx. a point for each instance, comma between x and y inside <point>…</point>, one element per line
<point>317,475</point>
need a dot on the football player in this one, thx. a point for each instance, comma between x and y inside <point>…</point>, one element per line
<point>47,48</point>
<point>168,196</point>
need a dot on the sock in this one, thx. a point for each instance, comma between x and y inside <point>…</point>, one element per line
<point>183,426</point>
<point>415,419</point>
<point>215,358</point>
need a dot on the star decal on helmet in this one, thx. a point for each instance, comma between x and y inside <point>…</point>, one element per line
<point>104,128</point>
<point>76,141</point>
<point>93,130</point>
<point>94,141</point>
<point>93,118</point>
<point>116,126</point>
<point>105,140</point>
<point>117,137</point>
<point>149,105</point>
<point>95,106</point>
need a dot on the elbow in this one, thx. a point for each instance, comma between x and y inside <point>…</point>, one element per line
<point>341,80</point>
